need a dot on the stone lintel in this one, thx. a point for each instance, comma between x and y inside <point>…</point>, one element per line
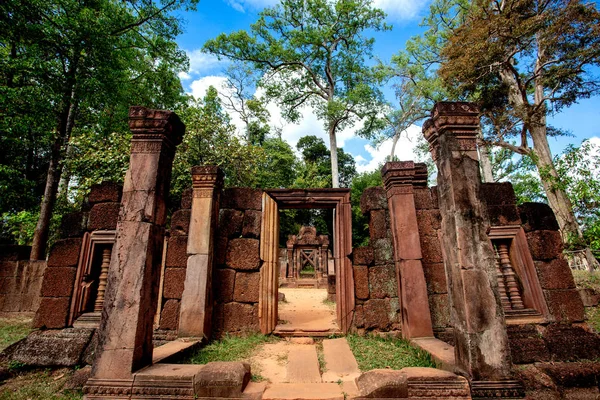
<point>398,173</point>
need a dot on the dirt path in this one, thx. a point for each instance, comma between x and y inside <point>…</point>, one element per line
<point>305,309</point>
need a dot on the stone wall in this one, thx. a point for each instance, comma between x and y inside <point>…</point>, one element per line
<point>100,212</point>
<point>20,280</point>
<point>375,282</point>
<point>236,278</point>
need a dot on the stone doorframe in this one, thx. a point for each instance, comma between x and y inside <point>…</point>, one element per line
<point>273,201</point>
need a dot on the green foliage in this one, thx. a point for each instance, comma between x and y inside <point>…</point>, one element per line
<point>360,222</point>
<point>39,385</point>
<point>12,330</point>
<point>376,352</point>
<point>316,171</point>
<point>18,227</point>
<point>230,348</point>
<point>278,169</point>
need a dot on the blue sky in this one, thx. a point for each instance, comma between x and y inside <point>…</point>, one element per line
<point>216,16</point>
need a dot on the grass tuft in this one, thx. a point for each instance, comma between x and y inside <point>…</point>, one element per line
<point>374,352</point>
<point>587,280</point>
<point>230,348</point>
<point>592,314</point>
<point>39,385</point>
<point>12,330</point>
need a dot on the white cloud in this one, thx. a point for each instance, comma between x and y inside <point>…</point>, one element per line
<point>401,9</point>
<point>184,76</point>
<point>202,63</point>
<point>241,5</point>
<point>405,150</point>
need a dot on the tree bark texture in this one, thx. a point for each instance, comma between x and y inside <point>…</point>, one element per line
<point>335,178</point>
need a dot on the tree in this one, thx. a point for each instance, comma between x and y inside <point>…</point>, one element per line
<point>528,58</point>
<point>314,52</point>
<point>278,169</point>
<point>316,171</point>
<point>78,55</point>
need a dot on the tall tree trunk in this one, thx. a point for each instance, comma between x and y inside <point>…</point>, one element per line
<point>484,160</point>
<point>335,178</point>
<point>394,143</point>
<point>42,229</point>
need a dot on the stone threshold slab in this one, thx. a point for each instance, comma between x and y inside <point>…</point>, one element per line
<point>442,352</point>
<point>303,391</point>
<point>339,361</point>
<point>303,364</point>
<point>282,331</point>
<point>170,349</point>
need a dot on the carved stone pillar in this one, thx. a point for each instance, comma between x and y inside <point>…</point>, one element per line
<point>476,312</point>
<point>399,179</point>
<point>125,333</point>
<point>196,301</point>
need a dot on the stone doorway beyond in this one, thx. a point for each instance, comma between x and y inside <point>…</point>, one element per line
<point>277,199</point>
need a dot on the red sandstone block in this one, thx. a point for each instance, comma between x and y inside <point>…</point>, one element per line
<point>423,198</point>
<point>221,250</point>
<point>105,192</point>
<point>378,314</point>
<point>180,222</point>
<point>571,342</point>
<point>555,274</point>
<point>52,313</point>
<point>440,310</point>
<point>8,268</point>
<point>373,198</point>
<point>74,224</point>
<point>242,199</point>
<point>565,305</point>
<point>65,253</point>
<point>104,216</point>
<point>503,215</point>
<point>498,194</point>
<point>363,255</point>
<point>382,282</point>
<point>361,282</point>
<point>224,283</point>
<point>230,223</point>
<point>383,251</point>
<point>169,315</point>
<point>252,224</point>
<point>377,225</point>
<point>58,282</point>
<point>243,254</point>
<point>240,317</point>
<point>431,249</point>
<point>359,317</point>
<point>177,252</point>
<point>429,222</point>
<point>186,199</point>
<point>174,283</point>
<point>544,245</point>
<point>435,276</point>
<point>526,344</point>
<point>537,217</point>
<point>247,287</point>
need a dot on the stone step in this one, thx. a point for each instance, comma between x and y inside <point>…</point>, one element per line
<point>303,364</point>
<point>301,391</point>
<point>442,352</point>
<point>340,363</point>
<point>290,331</point>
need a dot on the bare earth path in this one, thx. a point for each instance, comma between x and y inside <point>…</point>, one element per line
<point>305,310</point>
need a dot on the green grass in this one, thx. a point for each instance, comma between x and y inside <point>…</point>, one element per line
<point>38,385</point>
<point>321,356</point>
<point>230,348</point>
<point>13,330</point>
<point>374,352</point>
<point>587,280</point>
<point>592,315</point>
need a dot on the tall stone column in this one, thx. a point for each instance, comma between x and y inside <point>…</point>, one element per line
<point>125,333</point>
<point>196,301</point>
<point>399,179</point>
<point>477,317</point>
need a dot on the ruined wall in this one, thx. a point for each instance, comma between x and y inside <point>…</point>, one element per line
<point>375,282</point>
<point>100,212</point>
<point>20,280</point>
<point>236,278</point>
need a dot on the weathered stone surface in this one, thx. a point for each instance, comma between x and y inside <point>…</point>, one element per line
<point>221,250</point>
<point>243,255</point>
<point>503,215</point>
<point>11,252</point>
<point>177,252</point>
<point>222,379</point>
<point>240,317</point>
<point>242,199</point>
<point>105,192</point>
<point>537,217</point>
<point>78,379</point>
<point>423,198</point>
<point>589,297</point>
<point>169,315</point>
<point>359,316</point>
<point>565,305</point>
<point>361,282</point>
<point>383,384</point>
<point>65,253</point>
<point>247,287</point>
<point>230,223</point>
<point>571,343</point>
<point>58,282</point>
<point>8,268</point>
<point>382,282</point>
<point>74,224</point>
<point>224,284</point>
<point>539,386</point>
<point>377,313</point>
<point>377,225</point>
<point>526,344</point>
<point>104,216</point>
<point>180,222</point>
<point>363,255</point>
<point>555,274</point>
<point>544,245</point>
<point>20,285</point>
<point>52,313</point>
<point>373,198</point>
<point>440,310</point>
<point>174,283</point>
<point>429,222</point>
<point>431,249</point>
<point>383,251</point>
<point>582,374</point>
<point>498,193</point>
<point>186,199</point>
<point>252,224</point>
<point>51,348</point>
<point>435,276</point>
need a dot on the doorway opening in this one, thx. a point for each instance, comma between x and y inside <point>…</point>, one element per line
<point>306,265</point>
